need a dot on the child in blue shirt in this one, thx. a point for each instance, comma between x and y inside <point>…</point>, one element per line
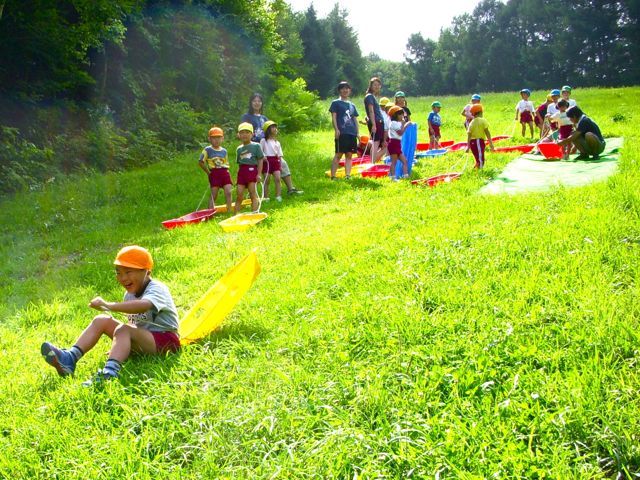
<point>434,121</point>
<point>345,125</point>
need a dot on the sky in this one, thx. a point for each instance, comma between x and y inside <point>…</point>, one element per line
<point>373,20</point>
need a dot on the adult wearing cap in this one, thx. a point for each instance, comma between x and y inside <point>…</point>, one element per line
<point>587,137</point>
<point>466,111</point>
<point>565,92</point>
<point>400,99</point>
<point>375,121</point>
<point>552,109</point>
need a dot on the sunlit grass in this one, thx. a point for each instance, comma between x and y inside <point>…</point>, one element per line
<point>395,332</point>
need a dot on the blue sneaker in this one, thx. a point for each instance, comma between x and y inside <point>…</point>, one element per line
<point>59,359</point>
<point>100,378</point>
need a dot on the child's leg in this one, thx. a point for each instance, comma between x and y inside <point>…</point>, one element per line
<point>405,166</point>
<point>392,166</point>
<point>531,128</point>
<point>253,193</point>
<point>128,338</point>
<point>265,186</point>
<point>288,183</point>
<point>438,142</point>
<point>377,152</point>
<point>276,182</point>
<point>227,196</point>
<point>347,164</point>
<point>335,163</point>
<point>239,197</point>
<point>214,195</point>
<point>100,325</point>
<point>524,128</point>
<point>432,142</point>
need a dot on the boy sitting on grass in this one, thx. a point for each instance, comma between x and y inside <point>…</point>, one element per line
<point>152,320</point>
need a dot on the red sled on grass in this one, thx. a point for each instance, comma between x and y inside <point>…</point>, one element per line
<point>189,218</point>
<point>550,151</point>
<point>458,146</point>
<point>376,171</point>
<point>421,147</point>
<point>438,179</point>
<point>516,148</point>
<point>500,137</point>
<point>357,160</point>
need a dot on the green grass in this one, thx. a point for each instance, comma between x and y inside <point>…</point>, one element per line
<point>395,332</point>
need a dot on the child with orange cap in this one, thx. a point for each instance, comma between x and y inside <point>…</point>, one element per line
<point>215,163</point>
<point>152,320</point>
<point>478,130</point>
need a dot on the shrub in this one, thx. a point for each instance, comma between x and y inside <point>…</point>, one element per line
<point>178,124</point>
<point>295,108</point>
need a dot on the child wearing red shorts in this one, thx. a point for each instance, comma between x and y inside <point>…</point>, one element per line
<point>215,163</point>
<point>152,326</point>
<point>272,167</point>
<point>435,121</point>
<point>250,159</point>
<point>478,130</point>
<point>396,128</point>
<point>525,110</point>
<point>565,126</point>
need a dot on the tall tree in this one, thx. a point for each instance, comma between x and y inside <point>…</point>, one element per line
<point>349,59</point>
<point>319,54</point>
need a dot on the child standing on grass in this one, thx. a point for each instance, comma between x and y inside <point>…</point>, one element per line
<point>525,111</point>
<point>215,163</point>
<point>434,122</point>
<point>152,320</point>
<point>273,152</point>
<point>400,99</point>
<point>345,126</point>
<point>565,126</point>
<point>552,109</point>
<point>477,132</point>
<point>250,158</point>
<point>565,92</point>
<point>466,111</point>
<point>396,129</point>
<point>541,115</point>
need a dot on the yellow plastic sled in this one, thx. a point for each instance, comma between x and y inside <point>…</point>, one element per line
<point>355,170</point>
<point>242,221</point>
<point>209,312</point>
<point>223,207</point>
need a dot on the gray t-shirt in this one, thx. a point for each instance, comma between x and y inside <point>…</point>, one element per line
<point>163,316</point>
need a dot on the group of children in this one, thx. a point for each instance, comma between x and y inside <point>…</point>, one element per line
<point>258,154</point>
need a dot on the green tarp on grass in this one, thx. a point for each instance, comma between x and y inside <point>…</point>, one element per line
<point>532,173</point>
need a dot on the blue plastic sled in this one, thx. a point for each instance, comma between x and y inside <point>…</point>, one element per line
<point>432,153</point>
<point>409,142</point>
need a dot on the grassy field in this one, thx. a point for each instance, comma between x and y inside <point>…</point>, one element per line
<point>395,332</point>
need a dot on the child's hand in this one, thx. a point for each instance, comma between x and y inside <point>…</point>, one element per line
<point>466,150</point>
<point>99,304</point>
<point>259,177</point>
<point>337,134</point>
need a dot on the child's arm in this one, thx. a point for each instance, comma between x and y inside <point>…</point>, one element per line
<point>132,306</point>
<point>334,120</point>
<point>203,164</point>
<point>517,112</point>
<point>372,118</point>
<point>488,134</point>
<point>404,127</point>
<point>431,130</point>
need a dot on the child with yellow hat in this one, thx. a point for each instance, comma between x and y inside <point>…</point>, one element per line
<point>152,326</point>
<point>250,159</point>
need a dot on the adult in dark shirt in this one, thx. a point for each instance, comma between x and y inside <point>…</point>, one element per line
<point>255,117</point>
<point>586,137</point>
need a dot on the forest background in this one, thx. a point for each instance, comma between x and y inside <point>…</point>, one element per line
<point>108,85</point>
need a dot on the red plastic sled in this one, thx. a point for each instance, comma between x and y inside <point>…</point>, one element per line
<point>421,147</point>
<point>357,160</point>
<point>499,137</point>
<point>458,146</point>
<point>551,151</point>
<point>376,171</point>
<point>189,218</point>
<point>516,148</point>
<point>433,181</point>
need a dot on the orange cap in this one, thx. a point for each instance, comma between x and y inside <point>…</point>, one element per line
<point>475,108</point>
<point>216,132</point>
<point>134,256</point>
<point>393,110</point>
<point>364,139</point>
